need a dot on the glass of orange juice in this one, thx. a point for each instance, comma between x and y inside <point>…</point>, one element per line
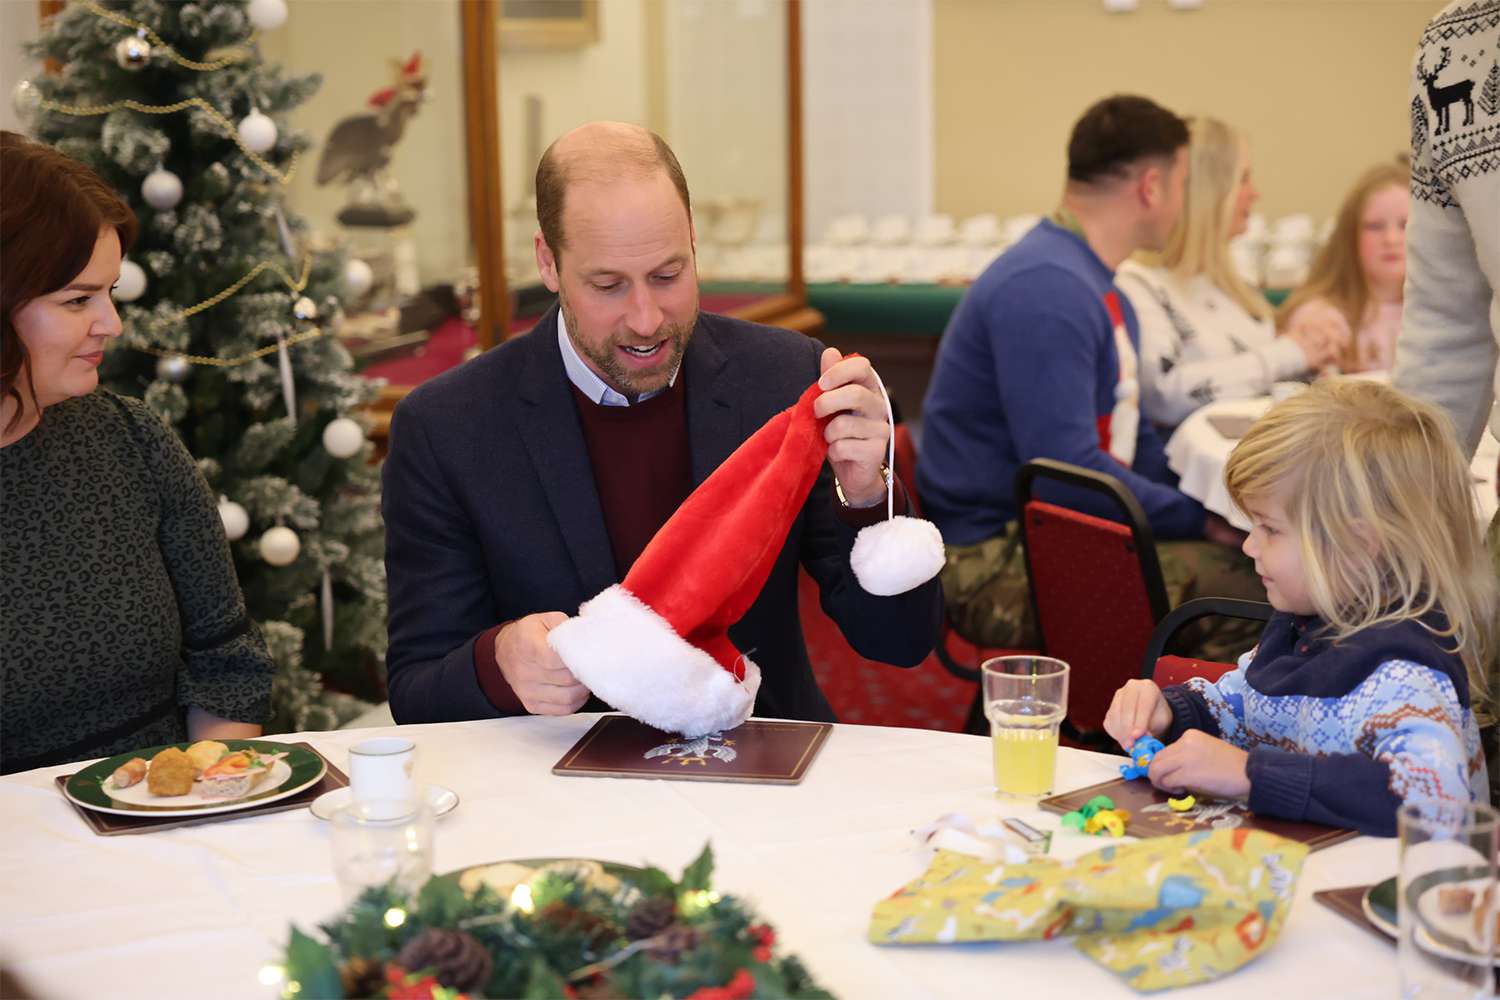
<point>1025,699</point>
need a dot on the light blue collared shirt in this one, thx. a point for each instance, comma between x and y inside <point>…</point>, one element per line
<point>591,385</point>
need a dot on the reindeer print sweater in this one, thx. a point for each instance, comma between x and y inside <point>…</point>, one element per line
<point>1199,345</point>
<point>119,607</point>
<point>1342,733</point>
<point>1448,345</point>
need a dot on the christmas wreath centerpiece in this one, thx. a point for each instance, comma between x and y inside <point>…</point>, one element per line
<point>565,932</point>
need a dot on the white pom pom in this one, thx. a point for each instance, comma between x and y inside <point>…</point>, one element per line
<point>162,189</point>
<point>132,283</point>
<point>267,15</point>
<point>343,438</point>
<point>1126,388</point>
<point>236,519</point>
<point>279,546</point>
<point>896,555</point>
<point>257,131</point>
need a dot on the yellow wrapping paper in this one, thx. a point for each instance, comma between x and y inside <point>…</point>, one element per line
<point>1165,912</point>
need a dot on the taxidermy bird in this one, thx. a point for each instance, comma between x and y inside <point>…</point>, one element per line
<point>359,147</point>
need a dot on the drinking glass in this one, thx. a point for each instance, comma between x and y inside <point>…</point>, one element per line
<point>379,841</point>
<point>1446,899</point>
<point>1025,699</point>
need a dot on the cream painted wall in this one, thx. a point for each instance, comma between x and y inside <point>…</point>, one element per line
<point>604,80</point>
<point>1320,86</point>
<point>352,43</point>
<point>18,24</point>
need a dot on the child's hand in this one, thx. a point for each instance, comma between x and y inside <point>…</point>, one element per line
<point>1137,710</point>
<point>1202,763</point>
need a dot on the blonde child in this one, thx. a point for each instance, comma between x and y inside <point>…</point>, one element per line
<point>1358,696</point>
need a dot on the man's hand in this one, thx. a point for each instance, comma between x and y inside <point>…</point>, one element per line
<point>1202,763</point>
<point>535,673</point>
<point>1138,709</point>
<point>1216,529</point>
<point>857,436</point>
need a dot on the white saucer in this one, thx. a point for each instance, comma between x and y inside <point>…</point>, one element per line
<point>441,800</point>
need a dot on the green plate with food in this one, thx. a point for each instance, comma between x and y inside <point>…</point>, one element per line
<point>194,779</point>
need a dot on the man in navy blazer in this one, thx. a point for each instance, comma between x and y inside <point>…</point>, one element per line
<point>526,481</point>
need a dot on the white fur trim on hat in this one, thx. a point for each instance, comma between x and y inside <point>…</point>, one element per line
<point>895,555</point>
<point>628,655</point>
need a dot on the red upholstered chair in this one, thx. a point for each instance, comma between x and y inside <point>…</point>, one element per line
<point>1096,587</point>
<point>936,694</point>
<point>960,657</point>
<point>1165,669</point>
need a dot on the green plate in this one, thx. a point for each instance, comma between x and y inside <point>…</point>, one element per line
<point>294,772</point>
<point>1380,906</point>
<point>1439,933</point>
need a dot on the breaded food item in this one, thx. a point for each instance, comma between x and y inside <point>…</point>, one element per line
<point>171,773</point>
<point>1455,899</point>
<point>128,773</point>
<point>1482,914</point>
<point>206,753</point>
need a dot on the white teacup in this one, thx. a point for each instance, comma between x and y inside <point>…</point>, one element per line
<point>381,769</point>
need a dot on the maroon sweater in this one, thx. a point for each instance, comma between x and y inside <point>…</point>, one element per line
<point>643,470</point>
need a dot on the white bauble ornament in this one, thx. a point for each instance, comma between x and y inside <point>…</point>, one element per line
<point>132,53</point>
<point>279,546</point>
<point>358,277</point>
<point>132,283</point>
<point>236,521</point>
<point>162,189</point>
<point>26,98</point>
<point>343,438</point>
<point>267,15</point>
<point>257,131</point>
<point>172,367</point>
<point>305,309</point>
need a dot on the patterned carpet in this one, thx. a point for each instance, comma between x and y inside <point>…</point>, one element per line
<point>877,694</point>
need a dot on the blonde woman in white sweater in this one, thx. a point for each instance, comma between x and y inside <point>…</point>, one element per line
<point>1205,334</point>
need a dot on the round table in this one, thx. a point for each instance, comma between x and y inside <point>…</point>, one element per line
<point>1198,452</point>
<point>199,911</point>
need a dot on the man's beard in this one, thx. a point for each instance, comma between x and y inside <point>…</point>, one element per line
<point>631,384</point>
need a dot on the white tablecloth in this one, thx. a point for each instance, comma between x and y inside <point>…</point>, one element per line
<point>1197,452</point>
<point>197,912</point>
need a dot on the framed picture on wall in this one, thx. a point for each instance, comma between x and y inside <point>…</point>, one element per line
<point>548,24</point>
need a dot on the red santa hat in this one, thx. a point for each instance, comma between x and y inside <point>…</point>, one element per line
<point>656,646</point>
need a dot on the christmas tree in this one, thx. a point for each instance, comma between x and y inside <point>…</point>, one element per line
<point>228,317</point>
<point>1489,97</point>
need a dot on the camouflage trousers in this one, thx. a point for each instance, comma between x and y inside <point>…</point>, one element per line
<point>989,603</point>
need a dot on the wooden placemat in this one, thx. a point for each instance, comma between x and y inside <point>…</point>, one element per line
<point>1150,816</point>
<point>111,825</point>
<point>1349,904</point>
<point>758,752</point>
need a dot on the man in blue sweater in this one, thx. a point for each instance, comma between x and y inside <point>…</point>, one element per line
<point>1039,361</point>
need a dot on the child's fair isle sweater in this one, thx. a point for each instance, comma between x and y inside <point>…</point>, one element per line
<point>1343,733</point>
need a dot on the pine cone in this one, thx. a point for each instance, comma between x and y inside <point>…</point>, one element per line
<point>673,943</point>
<point>362,978</point>
<point>650,917</point>
<point>457,960</point>
<point>595,930</point>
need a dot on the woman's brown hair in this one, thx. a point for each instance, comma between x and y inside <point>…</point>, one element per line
<point>51,210</point>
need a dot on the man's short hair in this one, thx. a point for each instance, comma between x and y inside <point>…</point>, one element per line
<point>554,173</point>
<point>1120,131</point>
